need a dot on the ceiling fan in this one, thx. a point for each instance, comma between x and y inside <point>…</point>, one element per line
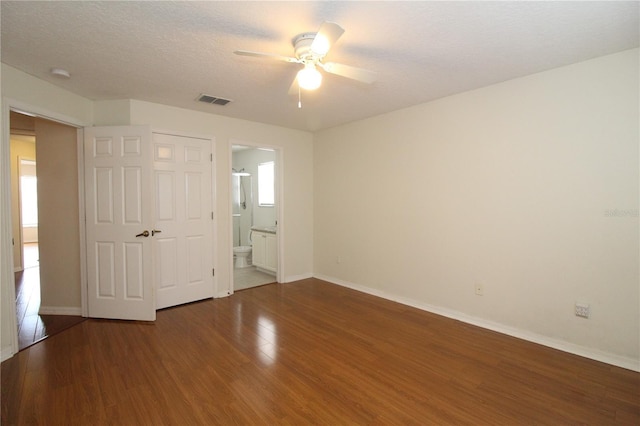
<point>310,50</point>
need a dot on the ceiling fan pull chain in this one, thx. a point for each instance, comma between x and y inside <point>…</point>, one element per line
<point>299,98</point>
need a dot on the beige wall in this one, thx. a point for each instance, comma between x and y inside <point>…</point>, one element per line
<point>21,147</point>
<point>58,217</point>
<point>514,186</point>
<point>39,95</point>
<point>112,113</point>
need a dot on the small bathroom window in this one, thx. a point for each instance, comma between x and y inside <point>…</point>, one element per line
<point>266,184</point>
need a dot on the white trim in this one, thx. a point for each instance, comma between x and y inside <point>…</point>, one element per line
<point>7,278</point>
<point>35,111</point>
<point>229,243</point>
<point>5,354</point>
<point>7,282</point>
<point>279,170</point>
<point>60,310</point>
<point>595,354</point>
<point>84,306</point>
<point>214,204</point>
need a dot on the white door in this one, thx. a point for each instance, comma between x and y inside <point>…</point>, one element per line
<point>118,212</point>
<point>183,199</point>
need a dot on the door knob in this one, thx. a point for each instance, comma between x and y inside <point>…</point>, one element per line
<point>155,231</point>
<point>144,234</point>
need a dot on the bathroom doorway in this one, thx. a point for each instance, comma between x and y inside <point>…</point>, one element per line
<point>254,208</point>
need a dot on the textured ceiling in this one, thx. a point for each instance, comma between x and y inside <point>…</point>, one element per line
<point>170,52</point>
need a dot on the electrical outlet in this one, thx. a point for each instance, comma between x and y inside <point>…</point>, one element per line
<point>582,310</point>
<point>479,289</point>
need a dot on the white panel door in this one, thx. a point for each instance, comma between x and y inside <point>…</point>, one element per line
<point>183,199</point>
<point>118,211</point>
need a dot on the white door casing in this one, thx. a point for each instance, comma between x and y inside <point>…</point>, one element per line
<point>183,206</point>
<point>118,211</point>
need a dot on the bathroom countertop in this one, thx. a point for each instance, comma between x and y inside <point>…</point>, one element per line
<point>269,229</point>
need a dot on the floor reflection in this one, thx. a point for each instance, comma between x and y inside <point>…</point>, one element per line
<point>267,340</point>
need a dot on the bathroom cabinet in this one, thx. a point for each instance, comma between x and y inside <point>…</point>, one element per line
<point>265,251</point>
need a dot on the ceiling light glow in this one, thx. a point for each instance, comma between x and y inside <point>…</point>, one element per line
<point>309,78</point>
<point>320,45</point>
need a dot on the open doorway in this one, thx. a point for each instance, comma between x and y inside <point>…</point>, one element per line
<point>29,222</point>
<point>254,208</point>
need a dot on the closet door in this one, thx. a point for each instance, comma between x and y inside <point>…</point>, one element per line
<point>183,223</point>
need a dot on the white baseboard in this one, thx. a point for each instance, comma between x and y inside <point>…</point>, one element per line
<point>60,310</point>
<point>293,278</point>
<point>595,354</point>
<point>265,271</point>
<point>5,354</point>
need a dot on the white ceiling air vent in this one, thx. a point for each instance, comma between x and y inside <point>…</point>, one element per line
<point>213,100</point>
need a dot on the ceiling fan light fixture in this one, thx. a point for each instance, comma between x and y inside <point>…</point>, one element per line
<point>309,78</point>
<point>320,45</point>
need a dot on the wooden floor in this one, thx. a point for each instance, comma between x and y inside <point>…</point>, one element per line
<point>33,327</point>
<point>306,353</point>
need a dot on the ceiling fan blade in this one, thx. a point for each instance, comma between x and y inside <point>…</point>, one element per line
<point>268,56</point>
<point>327,35</point>
<point>359,74</point>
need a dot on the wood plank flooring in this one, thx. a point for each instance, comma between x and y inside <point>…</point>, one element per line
<point>306,353</point>
<point>33,327</point>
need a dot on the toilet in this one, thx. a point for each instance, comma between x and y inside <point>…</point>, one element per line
<point>241,253</point>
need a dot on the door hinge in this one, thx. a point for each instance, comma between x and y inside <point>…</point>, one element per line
<point>211,215</point>
<point>211,157</point>
<point>213,271</point>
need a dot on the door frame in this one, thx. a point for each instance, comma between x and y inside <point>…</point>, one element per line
<point>7,276</point>
<point>279,187</point>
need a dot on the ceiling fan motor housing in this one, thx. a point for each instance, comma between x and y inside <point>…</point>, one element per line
<point>302,46</point>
